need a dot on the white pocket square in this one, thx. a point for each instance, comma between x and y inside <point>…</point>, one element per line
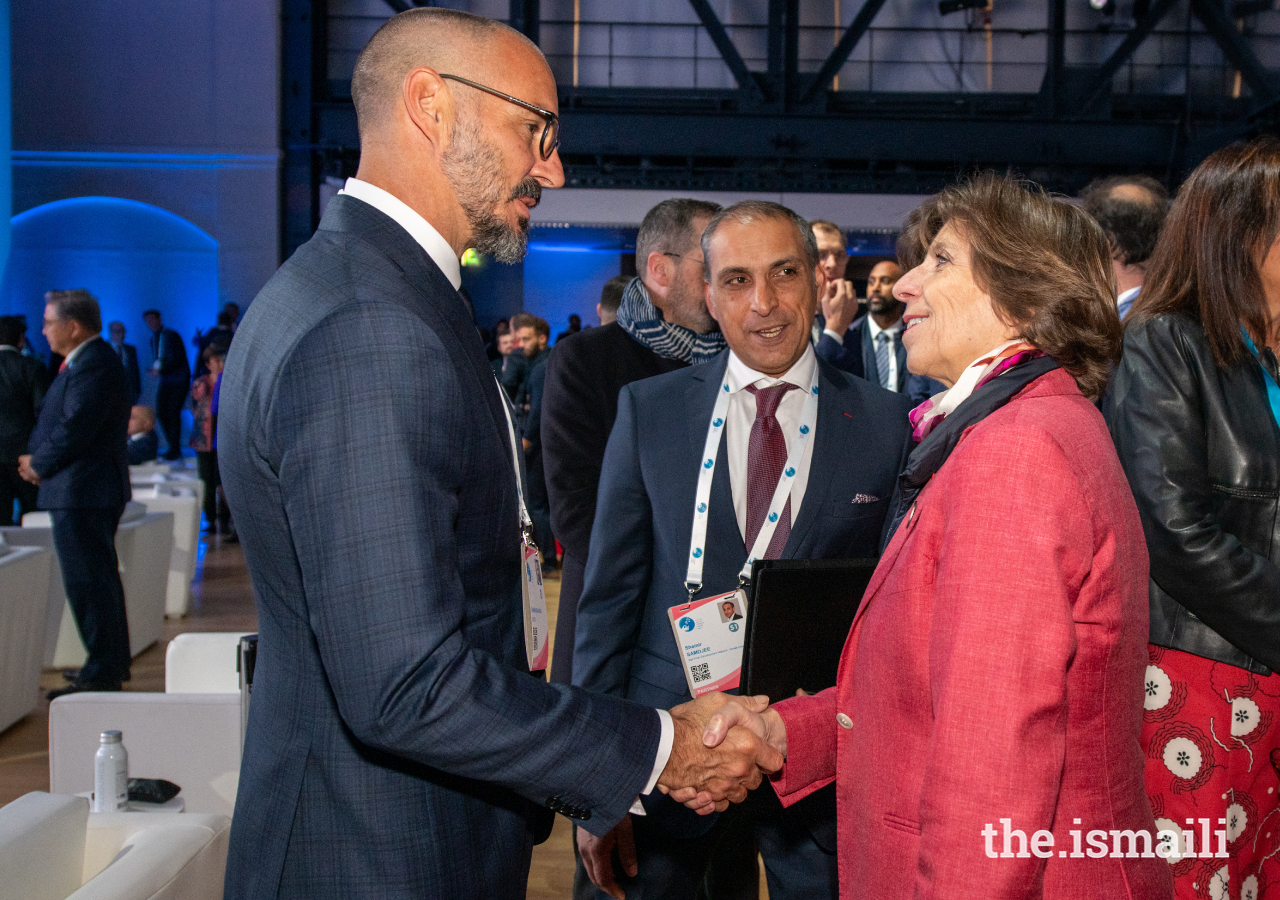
<point>865,498</point>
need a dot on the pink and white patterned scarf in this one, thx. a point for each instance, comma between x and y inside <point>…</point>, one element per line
<point>929,414</point>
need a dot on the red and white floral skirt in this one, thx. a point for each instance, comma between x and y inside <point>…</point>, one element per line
<point>1211,736</point>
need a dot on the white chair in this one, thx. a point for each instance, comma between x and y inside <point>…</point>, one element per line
<point>203,663</point>
<point>179,498</point>
<point>192,740</point>
<point>24,598</point>
<point>53,848</point>
<point>144,543</point>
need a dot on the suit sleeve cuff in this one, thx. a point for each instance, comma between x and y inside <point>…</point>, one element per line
<point>665,740</point>
<point>838,338</point>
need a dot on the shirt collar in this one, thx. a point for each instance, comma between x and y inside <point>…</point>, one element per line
<point>419,228</point>
<point>894,329</point>
<point>740,375</point>
<point>76,352</point>
<point>1128,295</point>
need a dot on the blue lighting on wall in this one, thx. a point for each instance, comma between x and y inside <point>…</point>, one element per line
<point>6,137</point>
<point>132,256</point>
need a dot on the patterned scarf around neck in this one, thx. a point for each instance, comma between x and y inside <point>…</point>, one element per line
<point>929,414</point>
<point>641,319</point>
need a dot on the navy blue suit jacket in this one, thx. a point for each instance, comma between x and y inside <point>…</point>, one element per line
<point>78,446</point>
<point>397,745</point>
<point>644,517</point>
<point>128,357</point>
<point>857,356</point>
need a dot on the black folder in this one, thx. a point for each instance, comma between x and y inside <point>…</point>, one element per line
<point>798,617</point>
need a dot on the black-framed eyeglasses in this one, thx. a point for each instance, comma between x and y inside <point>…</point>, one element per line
<point>680,256</point>
<point>550,134</point>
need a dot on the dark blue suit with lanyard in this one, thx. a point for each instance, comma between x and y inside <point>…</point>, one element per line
<point>638,565</point>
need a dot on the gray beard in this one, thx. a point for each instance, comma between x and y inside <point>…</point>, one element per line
<point>473,168</point>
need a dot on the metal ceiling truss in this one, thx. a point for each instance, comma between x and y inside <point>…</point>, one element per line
<point>786,130</point>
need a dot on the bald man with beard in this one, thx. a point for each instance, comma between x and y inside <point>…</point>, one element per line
<point>398,745</point>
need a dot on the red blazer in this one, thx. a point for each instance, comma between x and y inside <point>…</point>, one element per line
<point>994,670</point>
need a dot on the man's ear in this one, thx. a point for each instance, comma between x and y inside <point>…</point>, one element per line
<point>428,105</point>
<point>658,269</point>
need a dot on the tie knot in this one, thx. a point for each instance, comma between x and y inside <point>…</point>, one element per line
<point>883,337</point>
<point>767,399</point>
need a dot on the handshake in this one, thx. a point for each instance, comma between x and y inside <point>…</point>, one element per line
<point>722,748</point>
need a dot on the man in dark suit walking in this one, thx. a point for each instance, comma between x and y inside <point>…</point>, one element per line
<point>588,369</point>
<point>398,744</point>
<point>169,364</point>
<point>533,340</point>
<point>128,358</point>
<point>776,416</point>
<point>23,382</point>
<point>78,460</point>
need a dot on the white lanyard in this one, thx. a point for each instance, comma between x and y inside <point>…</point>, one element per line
<point>526,523</point>
<point>702,499</point>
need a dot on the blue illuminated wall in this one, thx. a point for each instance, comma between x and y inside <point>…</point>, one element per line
<point>132,256</point>
<point>6,137</point>
<point>175,105</point>
<point>560,280</point>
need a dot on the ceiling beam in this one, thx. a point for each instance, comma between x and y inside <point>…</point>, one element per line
<point>1222,28</point>
<point>724,44</point>
<point>860,25</point>
<point>1101,83</point>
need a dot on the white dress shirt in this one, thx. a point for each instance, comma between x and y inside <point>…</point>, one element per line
<point>419,228</point>
<point>742,415</point>
<point>895,338</point>
<point>443,256</point>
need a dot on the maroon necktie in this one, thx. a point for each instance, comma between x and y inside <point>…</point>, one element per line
<point>766,457</point>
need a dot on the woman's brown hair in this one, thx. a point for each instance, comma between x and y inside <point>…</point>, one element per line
<point>1044,261</point>
<point>1205,265</point>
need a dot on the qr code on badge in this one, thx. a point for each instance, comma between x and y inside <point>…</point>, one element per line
<point>701,672</point>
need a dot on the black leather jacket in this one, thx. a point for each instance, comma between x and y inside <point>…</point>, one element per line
<point>1202,451</point>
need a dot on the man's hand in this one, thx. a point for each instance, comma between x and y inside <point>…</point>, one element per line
<point>722,773</point>
<point>527,444</point>
<point>839,305</point>
<point>25,472</point>
<point>597,856</point>
<point>765,724</point>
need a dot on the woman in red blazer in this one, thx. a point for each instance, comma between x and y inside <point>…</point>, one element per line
<point>984,730</point>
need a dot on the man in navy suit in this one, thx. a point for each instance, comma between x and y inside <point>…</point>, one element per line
<point>398,745</point>
<point>23,382</point>
<point>169,364</point>
<point>78,459</point>
<point>128,358</point>
<point>871,346</point>
<point>763,281</point>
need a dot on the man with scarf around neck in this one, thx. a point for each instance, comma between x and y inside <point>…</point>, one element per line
<point>665,327</point>
<point>662,325</point>
<point>773,419</point>
<point>986,723</point>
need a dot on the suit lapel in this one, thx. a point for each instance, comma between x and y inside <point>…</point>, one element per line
<point>385,236</point>
<point>828,443</point>
<point>869,354</point>
<point>901,352</point>
<point>700,401</point>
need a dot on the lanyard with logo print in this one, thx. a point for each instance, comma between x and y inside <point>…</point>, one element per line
<point>536,643</point>
<point>708,631</point>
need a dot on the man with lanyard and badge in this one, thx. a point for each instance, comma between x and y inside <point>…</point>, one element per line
<point>763,452</point>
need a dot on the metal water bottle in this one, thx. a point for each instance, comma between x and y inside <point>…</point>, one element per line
<point>111,775</point>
